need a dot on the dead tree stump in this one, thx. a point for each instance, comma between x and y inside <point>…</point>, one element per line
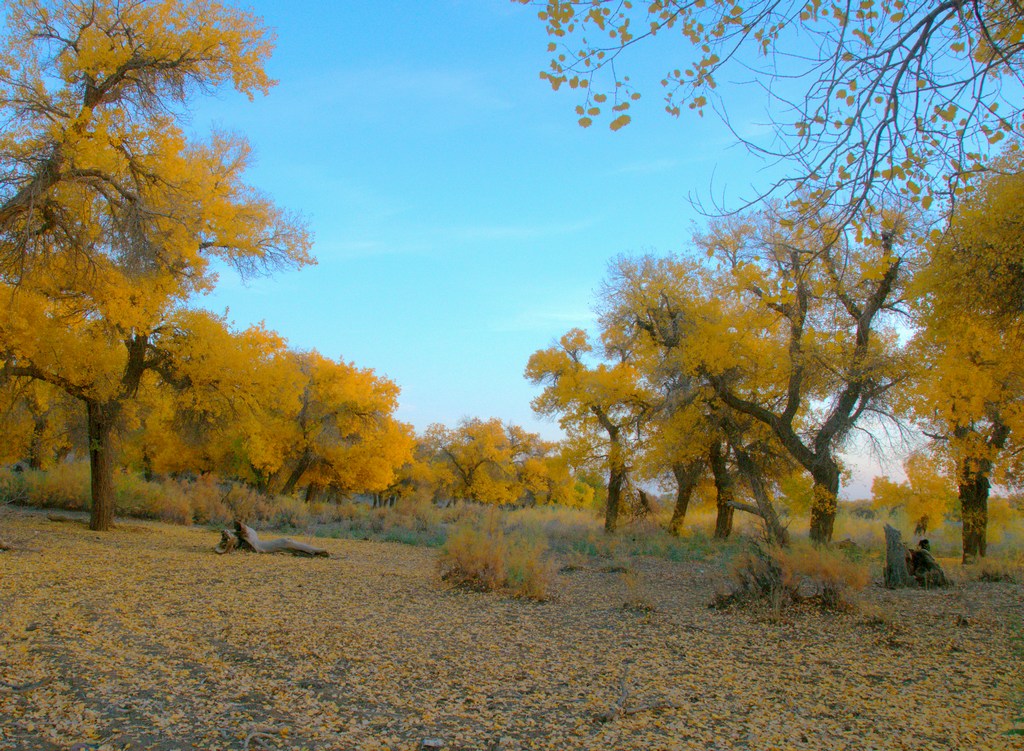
<point>245,538</point>
<point>910,568</point>
<point>896,573</point>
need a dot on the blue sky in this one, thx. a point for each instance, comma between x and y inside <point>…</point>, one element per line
<point>462,218</point>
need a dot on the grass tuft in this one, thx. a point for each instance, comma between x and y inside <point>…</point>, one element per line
<point>483,558</point>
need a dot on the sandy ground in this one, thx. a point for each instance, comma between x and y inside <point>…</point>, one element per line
<point>143,638</point>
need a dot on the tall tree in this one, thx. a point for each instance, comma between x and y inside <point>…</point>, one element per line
<point>344,435</point>
<point>826,301</point>
<point>232,406</point>
<point>109,214</point>
<point>669,308</point>
<point>968,392</point>
<point>602,406</point>
<point>484,461</point>
<point>926,496</point>
<point>40,424</point>
<point>92,92</point>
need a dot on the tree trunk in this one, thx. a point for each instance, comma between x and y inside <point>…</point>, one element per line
<point>974,489</point>
<point>617,470</point>
<point>147,466</point>
<point>687,476</point>
<point>313,492</point>
<point>776,532</point>
<point>616,480</point>
<point>300,469</point>
<point>35,451</point>
<point>896,573</point>
<point>823,504</point>
<point>723,492</point>
<point>101,417</point>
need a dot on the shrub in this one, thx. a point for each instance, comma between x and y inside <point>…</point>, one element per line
<point>481,557</point>
<point>810,573</point>
<point>784,576</point>
<point>529,571</point>
<point>137,497</point>
<point>65,486</point>
<point>288,512</point>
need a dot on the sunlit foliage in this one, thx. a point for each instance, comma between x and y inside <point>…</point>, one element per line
<point>109,214</point>
<point>882,97</point>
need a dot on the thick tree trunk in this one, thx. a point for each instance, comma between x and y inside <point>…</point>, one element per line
<point>35,451</point>
<point>313,492</point>
<point>101,418</point>
<point>823,503</point>
<point>723,492</point>
<point>616,481</point>
<point>896,573</point>
<point>974,489</point>
<point>687,476</point>
<point>147,466</point>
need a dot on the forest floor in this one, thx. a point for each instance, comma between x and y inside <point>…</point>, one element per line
<point>143,638</point>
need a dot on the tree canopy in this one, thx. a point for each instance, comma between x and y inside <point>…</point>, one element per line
<point>862,99</point>
<point>109,214</point>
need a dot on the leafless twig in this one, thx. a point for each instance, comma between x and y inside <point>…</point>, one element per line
<point>621,708</point>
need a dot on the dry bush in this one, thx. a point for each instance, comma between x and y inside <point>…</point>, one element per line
<point>559,525</point>
<point>474,558</point>
<point>352,512</point>
<point>146,499</point>
<point>819,573</point>
<point>639,598</point>
<point>988,570</point>
<point>529,573</point>
<point>784,576</point>
<point>288,512</point>
<point>417,515</point>
<point>481,557</point>
<point>65,486</point>
<point>755,577</point>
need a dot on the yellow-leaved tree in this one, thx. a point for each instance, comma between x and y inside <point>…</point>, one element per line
<point>479,460</point>
<point>969,391</point>
<point>807,345</point>
<point>926,496</point>
<point>109,213</point>
<point>342,435</point>
<point>38,422</point>
<point>670,310</point>
<point>602,406</point>
<point>229,411</point>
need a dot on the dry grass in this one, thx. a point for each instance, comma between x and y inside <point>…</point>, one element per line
<point>482,557</point>
<point>989,570</point>
<point>799,574</point>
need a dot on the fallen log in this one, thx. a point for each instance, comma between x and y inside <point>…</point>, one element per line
<point>245,538</point>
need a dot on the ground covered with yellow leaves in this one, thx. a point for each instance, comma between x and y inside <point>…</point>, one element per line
<point>143,638</point>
